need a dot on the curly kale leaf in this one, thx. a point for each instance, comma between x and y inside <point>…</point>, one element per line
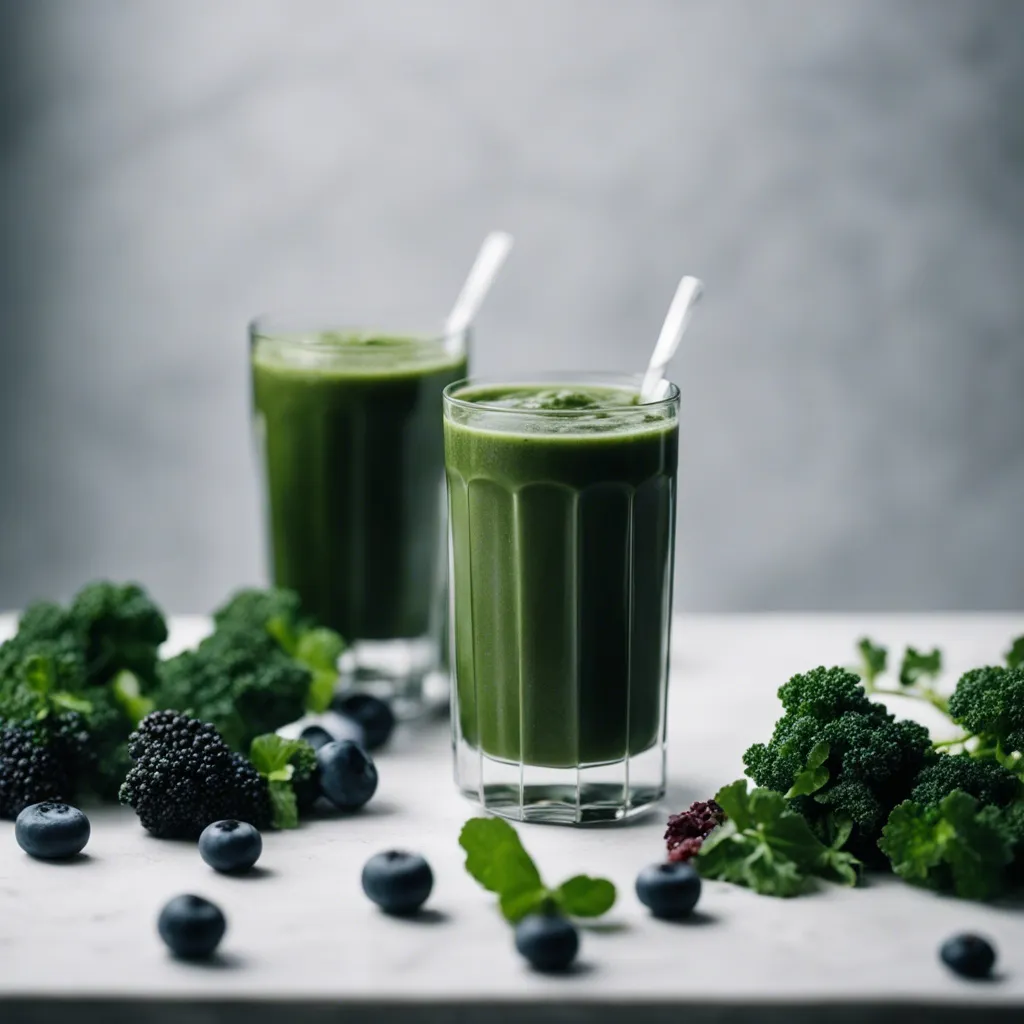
<point>767,847</point>
<point>956,845</point>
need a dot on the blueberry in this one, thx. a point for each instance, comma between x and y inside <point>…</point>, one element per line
<point>398,882</point>
<point>307,790</point>
<point>52,831</point>
<point>191,926</point>
<point>230,845</point>
<point>374,716</point>
<point>969,955</point>
<point>316,736</point>
<point>548,941</point>
<point>348,776</point>
<point>669,890</point>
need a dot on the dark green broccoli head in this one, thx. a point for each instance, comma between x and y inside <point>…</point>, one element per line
<point>45,620</point>
<point>35,672</point>
<point>122,630</point>
<point>987,781</point>
<point>989,703</point>
<point>826,693</point>
<point>240,682</point>
<point>279,613</point>
<point>256,609</point>
<point>839,755</point>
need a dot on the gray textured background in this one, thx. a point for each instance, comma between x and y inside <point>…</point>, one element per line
<point>847,176</point>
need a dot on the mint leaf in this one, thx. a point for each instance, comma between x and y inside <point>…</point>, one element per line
<point>583,896</point>
<point>953,845</point>
<point>270,753</point>
<point>767,847</point>
<point>1015,655</point>
<point>321,690</point>
<point>284,807</point>
<point>496,858</point>
<point>873,660</point>
<point>319,650</point>
<point>282,763</point>
<point>516,905</point>
<point>280,628</point>
<point>918,665</point>
<point>815,775</point>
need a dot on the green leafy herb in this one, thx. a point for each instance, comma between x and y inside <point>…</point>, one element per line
<point>953,845</point>
<point>769,848</point>
<point>319,650</point>
<point>129,697</point>
<point>919,665</point>
<point>282,763</point>
<point>873,660</point>
<point>815,775</point>
<point>497,859</point>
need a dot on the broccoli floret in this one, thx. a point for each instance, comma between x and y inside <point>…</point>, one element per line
<point>987,781</point>
<point>185,777</point>
<point>275,609</point>
<point>278,612</point>
<point>841,758</point>
<point>121,628</point>
<point>989,704</point>
<point>94,659</point>
<point>826,693</point>
<point>239,681</point>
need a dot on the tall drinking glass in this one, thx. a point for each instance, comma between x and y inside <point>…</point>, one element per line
<point>562,496</point>
<point>349,427</point>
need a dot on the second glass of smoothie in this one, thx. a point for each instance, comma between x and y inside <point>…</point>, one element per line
<point>562,499</point>
<point>349,424</point>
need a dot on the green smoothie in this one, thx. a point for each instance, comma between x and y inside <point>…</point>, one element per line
<point>351,430</point>
<point>562,506</point>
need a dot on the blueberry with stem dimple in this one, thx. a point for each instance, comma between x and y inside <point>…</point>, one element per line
<point>192,927</point>
<point>968,955</point>
<point>549,941</point>
<point>348,776</point>
<point>669,890</point>
<point>398,882</point>
<point>52,831</point>
<point>230,846</point>
<point>316,736</point>
<point>373,716</point>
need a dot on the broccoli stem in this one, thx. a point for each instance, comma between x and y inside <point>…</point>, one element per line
<point>954,742</point>
<point>925,694</point>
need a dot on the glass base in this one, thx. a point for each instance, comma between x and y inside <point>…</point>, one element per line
<point>405,673</point>
<point>588,795</point>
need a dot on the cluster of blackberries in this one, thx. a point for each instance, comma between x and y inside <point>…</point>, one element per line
<point>185,777</point>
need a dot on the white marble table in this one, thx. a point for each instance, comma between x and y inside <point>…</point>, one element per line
<point>78,941</point>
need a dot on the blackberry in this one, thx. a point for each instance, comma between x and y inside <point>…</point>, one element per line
<point>185,777</point>
<point>30,772</point>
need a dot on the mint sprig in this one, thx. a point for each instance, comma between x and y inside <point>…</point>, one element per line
<point>282,762</point>
<point>497,859</point>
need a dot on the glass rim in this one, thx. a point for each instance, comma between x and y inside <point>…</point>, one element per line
<point>306,330</point>
<point>587,377</point>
